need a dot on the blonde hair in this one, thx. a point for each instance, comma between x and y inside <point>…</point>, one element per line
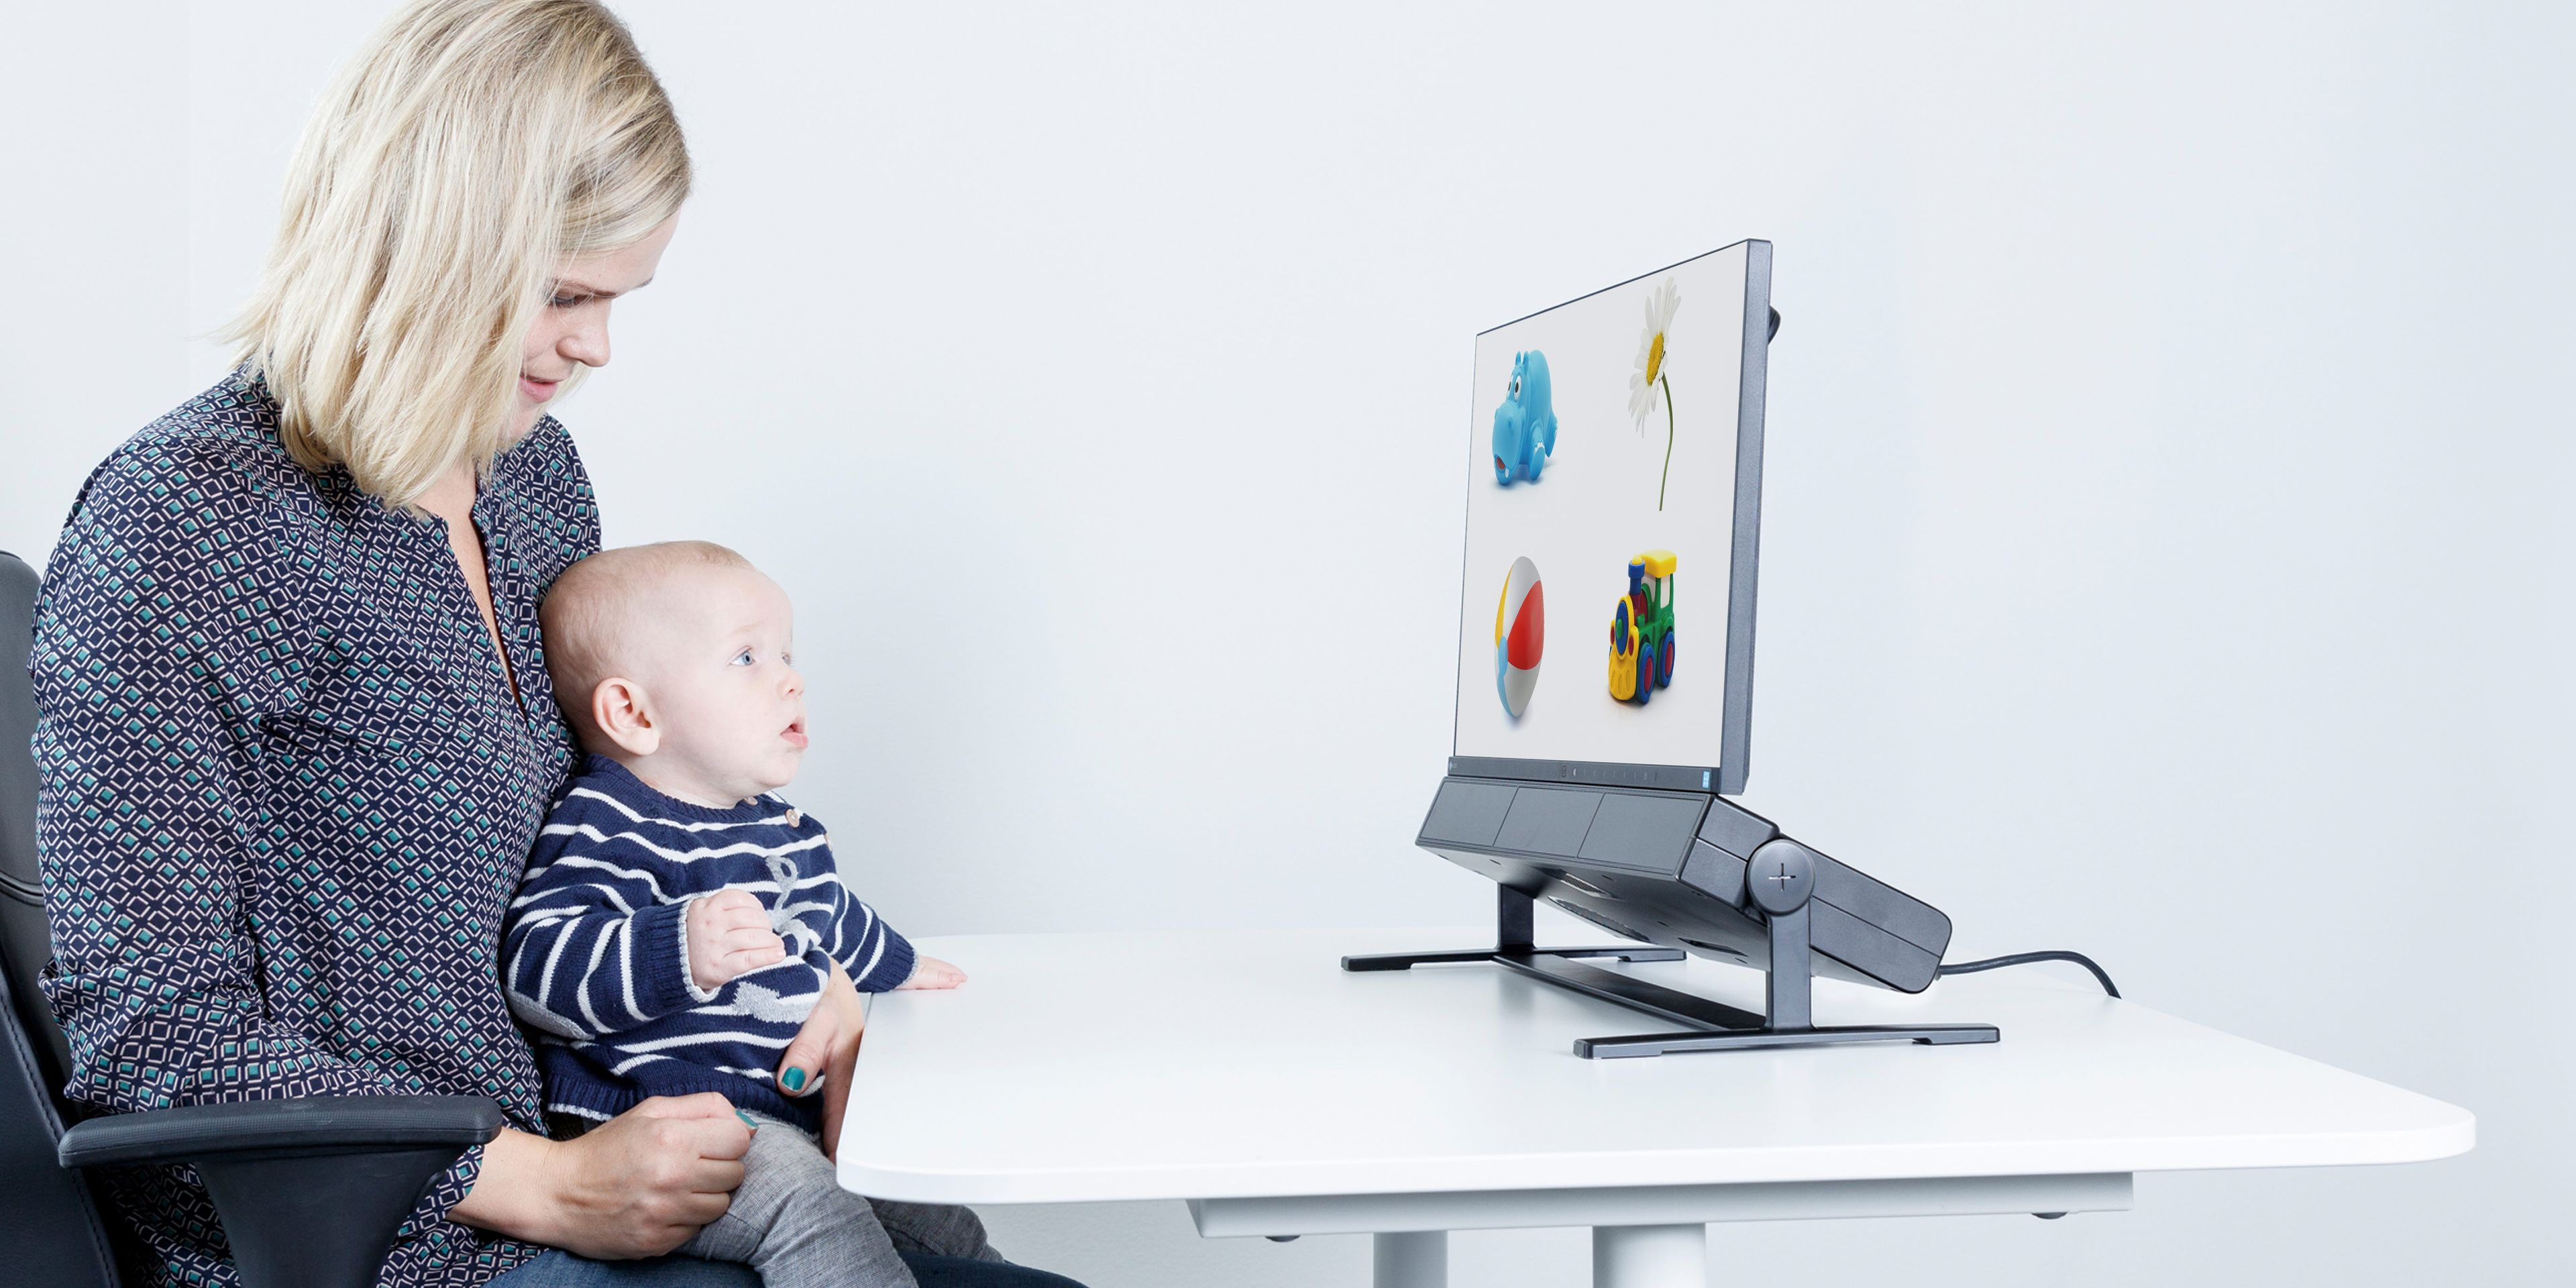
<point>469,148</point>
<point>609,599</point>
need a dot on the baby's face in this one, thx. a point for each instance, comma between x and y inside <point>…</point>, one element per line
<point>725,692</point>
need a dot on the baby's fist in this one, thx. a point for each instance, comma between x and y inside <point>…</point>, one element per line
<point>930,972</point>
<point>729,935</point>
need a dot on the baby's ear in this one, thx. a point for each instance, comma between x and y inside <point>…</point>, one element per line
<point>623,714</point>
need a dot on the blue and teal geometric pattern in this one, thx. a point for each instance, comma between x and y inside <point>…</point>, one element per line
<point>286,793</point>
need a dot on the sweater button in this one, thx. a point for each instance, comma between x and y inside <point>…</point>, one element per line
<point>795,816</point>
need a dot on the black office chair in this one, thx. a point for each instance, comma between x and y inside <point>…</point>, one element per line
<point>310,1191</point>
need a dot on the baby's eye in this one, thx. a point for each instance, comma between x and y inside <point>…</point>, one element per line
<point>742,658</point>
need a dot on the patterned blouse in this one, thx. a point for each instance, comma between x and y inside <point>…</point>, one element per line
<point>286,793</point>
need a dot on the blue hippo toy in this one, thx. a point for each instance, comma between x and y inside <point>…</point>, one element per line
<point>1525,425</point>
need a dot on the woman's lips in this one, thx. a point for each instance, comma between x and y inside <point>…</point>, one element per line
<point>537,390</point>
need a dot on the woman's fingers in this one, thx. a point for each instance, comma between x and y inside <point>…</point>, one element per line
<point>824,1048</point>
<point>641,1183</point>
<point>705,1104</point>
<point>836,1095</point>
<point>715,1178</point>
<point>698,1157</point>
<point>811,1052</point>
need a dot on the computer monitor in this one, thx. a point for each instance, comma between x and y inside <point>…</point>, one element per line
<point>1614,492</point>
<point>1614,452</point>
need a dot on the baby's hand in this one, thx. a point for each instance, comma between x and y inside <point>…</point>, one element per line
<point>729,935</point>
<point>930,972</point>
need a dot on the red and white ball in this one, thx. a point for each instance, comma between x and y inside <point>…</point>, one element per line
<point>1520,636</point>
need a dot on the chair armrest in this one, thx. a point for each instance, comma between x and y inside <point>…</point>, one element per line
<point>311,1191</point>
<point>309,1126</point>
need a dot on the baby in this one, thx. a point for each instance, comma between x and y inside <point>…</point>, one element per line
<point>679,921</point>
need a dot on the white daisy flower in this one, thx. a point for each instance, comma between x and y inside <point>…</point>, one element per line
<point>1646,385</point>
<point>1649,386</point>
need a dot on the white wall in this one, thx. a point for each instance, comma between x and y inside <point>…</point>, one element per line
<point>2167,545</point>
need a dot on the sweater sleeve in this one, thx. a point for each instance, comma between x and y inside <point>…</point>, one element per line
<point>877,959</point>
<point>154,661</point>
<point>593,944</point>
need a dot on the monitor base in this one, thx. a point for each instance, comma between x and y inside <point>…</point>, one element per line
<point>1357,962</point>
<point>1514,920</point>
<point>1713,1026</point>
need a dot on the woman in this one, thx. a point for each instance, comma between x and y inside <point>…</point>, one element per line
<point>295,730</point>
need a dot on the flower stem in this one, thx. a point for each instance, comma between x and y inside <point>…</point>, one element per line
<point>1667,383</point>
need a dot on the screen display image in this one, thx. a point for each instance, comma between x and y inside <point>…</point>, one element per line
<point>1602,520</point>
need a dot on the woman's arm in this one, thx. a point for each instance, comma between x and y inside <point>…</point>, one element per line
<point>636,1186</point>
<point>148,691</point>
<point>144,697</point>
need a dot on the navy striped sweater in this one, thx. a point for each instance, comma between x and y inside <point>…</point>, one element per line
<point>595,954</point>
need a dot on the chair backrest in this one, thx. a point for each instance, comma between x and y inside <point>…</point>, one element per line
<point>47,1216</point>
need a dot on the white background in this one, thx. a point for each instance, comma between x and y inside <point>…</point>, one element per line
<point>1594,508</point>
<point>2166,540</point>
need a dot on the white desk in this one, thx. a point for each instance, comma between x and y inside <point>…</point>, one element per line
<point>1248,1075</point>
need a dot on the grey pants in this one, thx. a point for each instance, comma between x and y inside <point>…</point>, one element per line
<point>792,1222</point>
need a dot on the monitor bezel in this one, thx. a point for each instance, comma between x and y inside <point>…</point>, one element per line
<point>1735,733</point>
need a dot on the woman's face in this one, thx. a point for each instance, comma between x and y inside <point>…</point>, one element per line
<point>572,330</point>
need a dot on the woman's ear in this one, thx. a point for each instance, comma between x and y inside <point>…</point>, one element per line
<point>623,713</point>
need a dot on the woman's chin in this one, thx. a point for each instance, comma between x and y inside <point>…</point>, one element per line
<point>521,423</point>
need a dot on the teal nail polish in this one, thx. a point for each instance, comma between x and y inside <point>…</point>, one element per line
<point>746,1120</point>
<point>795,1079</point>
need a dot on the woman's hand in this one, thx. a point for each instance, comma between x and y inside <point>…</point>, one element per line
<point>637,1185</point>
<point>826,1050</point>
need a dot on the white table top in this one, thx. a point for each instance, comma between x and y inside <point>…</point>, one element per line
<point>1202,1065</point>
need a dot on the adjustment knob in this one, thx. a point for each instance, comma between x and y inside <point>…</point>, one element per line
<point>1781,875</point>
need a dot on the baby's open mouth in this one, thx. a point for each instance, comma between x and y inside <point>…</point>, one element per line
<point>794,733</point>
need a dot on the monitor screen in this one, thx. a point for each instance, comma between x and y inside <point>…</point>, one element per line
<point>1613,500</point>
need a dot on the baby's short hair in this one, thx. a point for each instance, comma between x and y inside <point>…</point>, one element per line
<point>605,600</point>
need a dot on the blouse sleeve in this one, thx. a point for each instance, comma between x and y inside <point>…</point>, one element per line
<point>156,650</point>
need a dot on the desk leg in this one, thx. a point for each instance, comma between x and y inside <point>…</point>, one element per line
<point>1649,1256</point>
<point>1415,1259</point>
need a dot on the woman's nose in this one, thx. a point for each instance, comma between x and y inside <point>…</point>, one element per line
<point>587,343</point>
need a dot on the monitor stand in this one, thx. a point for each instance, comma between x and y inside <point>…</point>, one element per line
<point>1788,990</point>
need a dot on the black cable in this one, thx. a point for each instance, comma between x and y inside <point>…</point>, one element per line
<point>2024,959</point>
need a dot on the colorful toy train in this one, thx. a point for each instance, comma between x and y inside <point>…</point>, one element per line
<point>1641,629</point>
